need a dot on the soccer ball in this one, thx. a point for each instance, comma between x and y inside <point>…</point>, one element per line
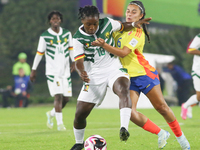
<point>95,142</point>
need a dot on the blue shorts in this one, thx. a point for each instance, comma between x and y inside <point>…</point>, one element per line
<point>144,83</point>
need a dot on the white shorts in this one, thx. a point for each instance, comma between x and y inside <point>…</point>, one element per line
<point>95,93</point>
<point>59,85</point>
<point>196,83</point>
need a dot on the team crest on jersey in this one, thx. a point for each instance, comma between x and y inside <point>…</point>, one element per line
<point>51,42</point>
<point>65,40</point>
<point>86,88</point>
<point>58,84</point>
<point>87,45</point>
<point>130,32</point>
<point>107,35</point>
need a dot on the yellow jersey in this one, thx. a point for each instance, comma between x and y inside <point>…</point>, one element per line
<point>134,62</point>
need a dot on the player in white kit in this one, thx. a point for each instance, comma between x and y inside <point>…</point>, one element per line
<point>194,49</point>
<point>56,43</point>
<point>98,69</point>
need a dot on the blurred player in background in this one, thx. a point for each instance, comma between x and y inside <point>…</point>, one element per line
<point>99,69</point>
<point>56,44</point>
<point>194,49</point>
<point>144,78</point>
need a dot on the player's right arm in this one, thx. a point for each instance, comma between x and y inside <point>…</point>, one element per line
<point>194,47</point>
<point>38,58</point>
<point>79,59</point>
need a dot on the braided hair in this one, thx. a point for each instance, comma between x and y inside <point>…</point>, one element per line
<point>55,12</point>
<point>142,9</point>
<point>88,11</point>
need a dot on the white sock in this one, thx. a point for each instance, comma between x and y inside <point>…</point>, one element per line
<point>79,135</point>
<point>192,100</point>
<point>59,118</point>
<point>125,115</point>
<point>52,112</point>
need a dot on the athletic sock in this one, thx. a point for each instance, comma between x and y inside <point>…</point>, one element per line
<point>79,135</point>
<point>125,115</point>
<point>151,127</point>
<point>59,118</point>
<point>192,100</point>
<point>175,127</point>
<point>52,112</point>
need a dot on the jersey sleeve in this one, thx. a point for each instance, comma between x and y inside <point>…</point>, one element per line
<point>41,46</point>
<point>195,44</point>
<point>134,39</point>
<point>70,42</point>
<point>79,51</point>
<point>116,25</point>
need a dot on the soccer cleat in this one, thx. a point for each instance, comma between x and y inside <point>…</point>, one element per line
<point>61,127</point>
<point>185,145</point>
<point>183,112</point>
<point>162,138</point>
<point>124,134</point>
<point>49,120</point>
<point>78,146</point>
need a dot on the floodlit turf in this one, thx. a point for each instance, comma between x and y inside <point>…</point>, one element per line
<point>25,129</point>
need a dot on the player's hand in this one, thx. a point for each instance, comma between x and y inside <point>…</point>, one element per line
<point>143,21</point>
<point>33,75</point>
<point>98,42</point>
<point>84,76</point>
<point>72,67</point>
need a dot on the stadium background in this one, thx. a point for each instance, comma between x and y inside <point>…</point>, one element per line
<point>173,25</point>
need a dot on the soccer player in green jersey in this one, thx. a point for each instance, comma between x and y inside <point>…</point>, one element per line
<point>99,69</point>
<point>56,44</point>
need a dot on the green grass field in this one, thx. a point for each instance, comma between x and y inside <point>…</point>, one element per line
<point>25,129</point>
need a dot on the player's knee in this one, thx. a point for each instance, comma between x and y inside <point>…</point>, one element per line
<point>162,109</point>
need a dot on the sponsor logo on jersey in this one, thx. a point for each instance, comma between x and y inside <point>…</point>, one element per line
<point>130,32</point>
<point>51,42</point>
<point>87,45</point>
<point>58,84</point>
<point>107,35</point>
<point>59,41</point>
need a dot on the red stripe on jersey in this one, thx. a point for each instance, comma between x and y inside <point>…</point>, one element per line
<point>39,53</point>
<point>70,48</point>
<point>79,57</point>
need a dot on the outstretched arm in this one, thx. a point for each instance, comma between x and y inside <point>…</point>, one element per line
<point>114,50</point>
<point>129,25</point>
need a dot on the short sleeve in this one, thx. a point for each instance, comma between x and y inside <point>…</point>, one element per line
<point>79,51</point>
<point>115,24</point>
<point>41,45</point>
<point>195,43</point>
<point>70,40</point>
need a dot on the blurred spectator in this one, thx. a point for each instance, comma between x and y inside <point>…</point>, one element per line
<point>19,91</point>
<point>183,79</point>
<point>21,64</point>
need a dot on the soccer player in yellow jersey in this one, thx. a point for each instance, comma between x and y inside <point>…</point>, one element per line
<point>144,78</point>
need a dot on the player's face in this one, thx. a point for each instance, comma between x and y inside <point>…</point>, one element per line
<point>133,13</point>
<point>91,24</point>
<point>55,21</point>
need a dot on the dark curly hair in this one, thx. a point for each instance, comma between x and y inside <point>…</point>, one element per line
<point>88,11</point>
